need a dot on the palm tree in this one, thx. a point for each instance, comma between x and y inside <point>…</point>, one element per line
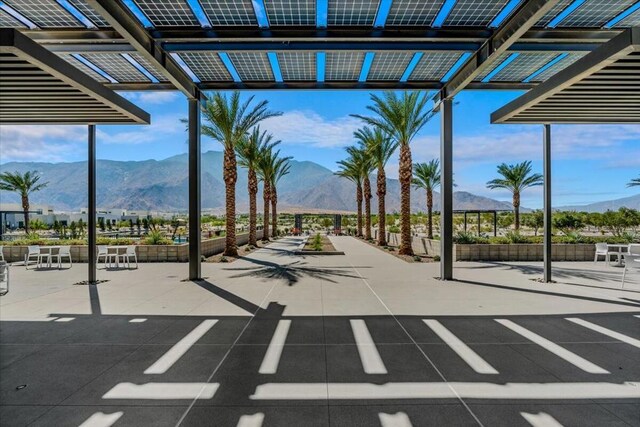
<point>401,117</point>
<point>365,161</point>
<point>23,184</point>
<point>634,183</point>
<point>427,176</point>
<point>380,148</point>
<point>249,150</point>
<point>281,168</point>
<point>516,178</point>
<point>266,166</point>
<point>229,122</point>
<point>351,169</point>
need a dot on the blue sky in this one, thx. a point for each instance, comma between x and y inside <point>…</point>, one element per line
<point>591,163</point>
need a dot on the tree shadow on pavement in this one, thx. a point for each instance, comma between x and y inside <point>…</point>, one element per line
<point>292,273</point>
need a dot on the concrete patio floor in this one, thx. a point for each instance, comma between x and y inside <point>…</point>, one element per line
<point>363,339</point>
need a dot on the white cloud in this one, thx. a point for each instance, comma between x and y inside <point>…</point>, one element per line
<point>161,127</point>
<point>39,142</point>
<point>517,143</point>
<point>151,97</point>
<point>309,128</point>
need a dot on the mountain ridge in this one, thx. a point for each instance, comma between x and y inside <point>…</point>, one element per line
<point>162,185</point>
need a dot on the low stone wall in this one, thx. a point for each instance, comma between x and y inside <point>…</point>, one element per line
<point>145,253</point>
<point>524,252</point>
<point>502,252</point>
<point>420,245</point>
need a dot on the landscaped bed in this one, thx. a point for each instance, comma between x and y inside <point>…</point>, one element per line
<point>393,250</point>
<point>243,250</point>
<point>318,245</point>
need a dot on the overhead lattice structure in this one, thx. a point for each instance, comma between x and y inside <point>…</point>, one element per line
<point>197,45</point>
<point>38,87</point>
<point>601,87</point>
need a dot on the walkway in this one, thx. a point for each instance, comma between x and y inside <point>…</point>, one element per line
<point>275,339</point>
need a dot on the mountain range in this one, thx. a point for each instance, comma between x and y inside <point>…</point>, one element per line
<point>162,185</point>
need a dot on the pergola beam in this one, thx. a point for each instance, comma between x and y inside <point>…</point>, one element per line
<point>63,81</point>
<point>579,83</point>
<point>510,32</point>
<point>91,208</point>
<point>546,141</point>
<point>126,24</point>
<point>194,190</point>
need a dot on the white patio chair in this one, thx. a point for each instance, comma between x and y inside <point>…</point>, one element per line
<point>631,262</point>
<point>1,253</point>
<point>602,250</point>
<point>128,254</point>
<point>64,252</point>
<point>34,252</point>
<point>4,278</point>
<point>103,251</point>
<point>634,249</point>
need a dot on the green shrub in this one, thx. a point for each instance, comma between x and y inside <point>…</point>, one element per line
<point>157,238</point>
<point>393,229</point>
<point>574,237</point>
<point>436,258</point>
<point>316,243</point>
<point>515,237</point>
<point>465,238</point>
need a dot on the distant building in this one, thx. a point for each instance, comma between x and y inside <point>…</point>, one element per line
<point>12,217</point>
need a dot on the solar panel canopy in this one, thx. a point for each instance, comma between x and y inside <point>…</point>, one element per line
<point>224,43</point>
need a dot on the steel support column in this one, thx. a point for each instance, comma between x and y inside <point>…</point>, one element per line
<point>547,201</point>
<point>91,208</point>
<point>194,190</point>
<point>446,187</point>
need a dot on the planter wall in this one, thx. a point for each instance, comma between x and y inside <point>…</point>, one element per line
<point>145,253</point>
<point>501,252</point>
<point>524,252</point>
<point>420,245</point>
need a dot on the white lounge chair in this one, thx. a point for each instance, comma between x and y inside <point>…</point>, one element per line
<point>34,252</point>
<point>602,250</point>
<point>634,249</point>
<point>103,251</point>
<point>631,262</point>
<point>64,252</point>
<point>128,254</point>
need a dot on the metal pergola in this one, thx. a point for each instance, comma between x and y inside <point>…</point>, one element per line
<point>601,88</point>
<point>37,87</point>
<point>199,45</point>
<point>479,212</point>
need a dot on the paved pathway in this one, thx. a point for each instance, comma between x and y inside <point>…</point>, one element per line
<point>358,340</point>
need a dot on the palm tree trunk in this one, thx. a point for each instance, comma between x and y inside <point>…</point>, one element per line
<point>405,175</point>
<point>274,212</point>
<point>230,178</point>
<point>516,209</point>
<point>266,197</point>
<point>430,214</point>
<point>367,208</point>
<point>382,215</point>
<point>25,208</point>
<point>253,214</point>
<point>359,202</point>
